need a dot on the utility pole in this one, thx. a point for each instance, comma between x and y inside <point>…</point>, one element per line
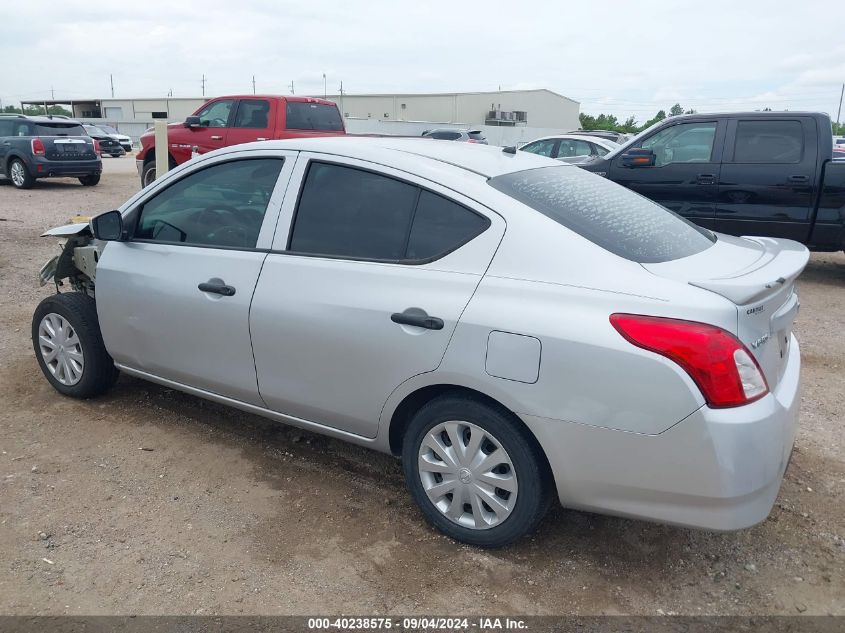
<point>203,84</point>
<point>341,98</point>
<point>839,111</point>
<point>52,93</point>
<point>325,92</point>
<point>291,87</point>
<point>253,84</point>
<point>111,78</point>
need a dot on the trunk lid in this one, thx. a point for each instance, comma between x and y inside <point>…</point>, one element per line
<point>758,275</point>
<point>68,148</point>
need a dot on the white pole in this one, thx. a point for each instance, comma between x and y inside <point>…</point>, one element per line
<point>162,164</point>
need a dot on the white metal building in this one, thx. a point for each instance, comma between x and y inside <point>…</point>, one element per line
<point>506,116</point>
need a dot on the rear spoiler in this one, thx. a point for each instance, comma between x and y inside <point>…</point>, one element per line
<point>781,263</point>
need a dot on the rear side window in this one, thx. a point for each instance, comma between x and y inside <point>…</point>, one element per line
<point>58,129</point>
<point>476,136</point>
<point>611,216</point>
<point>313,116</point>
<point>768,142</point>
<point>357,214</point>
<point>7,127</point>
<point>253,113</point>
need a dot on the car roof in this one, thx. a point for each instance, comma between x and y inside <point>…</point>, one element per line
<point>405,153</point>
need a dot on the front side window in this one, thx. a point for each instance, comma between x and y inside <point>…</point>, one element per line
<point>222,205</point>
<point>682,143</point>
<point>216,114</point>
<point>569,148</point>
<point>613,217</point>
<point>541,148</point>
<point>601,151</point>
<point>768,142</point>
<point>353,213</point>
<point>253,113</point>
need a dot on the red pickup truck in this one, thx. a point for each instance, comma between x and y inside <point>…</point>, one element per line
<point>237,119</point>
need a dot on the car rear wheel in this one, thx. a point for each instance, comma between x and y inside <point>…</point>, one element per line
<point>19,174</point>
<point>69,348</point>
<point>475,471</point>
<point>90,181</point>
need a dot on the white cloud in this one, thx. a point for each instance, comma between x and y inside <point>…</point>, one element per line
<point>614,56</point>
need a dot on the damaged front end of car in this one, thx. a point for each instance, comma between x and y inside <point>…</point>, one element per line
<point>76,264</point>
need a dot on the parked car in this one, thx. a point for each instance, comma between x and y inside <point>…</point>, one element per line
<point>570,148</point>
<point>511,326</point>
<point>616,137</point>
<point>454,134</point>
<point>108,145</point>
<point>231,120</point>
<point>34,147</point>
<point>751,173</point>
<point>124,140</point>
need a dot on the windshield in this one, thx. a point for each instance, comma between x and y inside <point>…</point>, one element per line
<point>108,129</point>
<point>634,142</point>
<point>94,131</point>
<point>610,216</point>
<point>313,116</point>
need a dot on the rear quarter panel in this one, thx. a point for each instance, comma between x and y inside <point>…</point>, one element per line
<point>828,232</point>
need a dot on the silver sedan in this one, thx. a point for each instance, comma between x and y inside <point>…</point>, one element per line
<point>513,328</point>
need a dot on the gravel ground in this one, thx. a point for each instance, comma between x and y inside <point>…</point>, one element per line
<point>149,501</point>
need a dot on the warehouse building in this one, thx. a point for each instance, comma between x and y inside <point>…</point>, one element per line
<point>506,115</point>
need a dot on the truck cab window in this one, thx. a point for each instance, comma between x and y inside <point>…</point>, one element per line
<point>216,114</point>
<point>683,143</point>
<point>768,142</point>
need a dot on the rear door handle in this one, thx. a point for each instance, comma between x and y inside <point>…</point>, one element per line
<point>216,138</point>
<point>799,178</point>
<point>417,320</point>
<point>217,288</point>
<point>706,179</point>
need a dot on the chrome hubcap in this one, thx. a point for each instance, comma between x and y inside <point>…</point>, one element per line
<point>467,475</point>
<point>17,173</point>
<point>60,348</point>
<point>150,176</point>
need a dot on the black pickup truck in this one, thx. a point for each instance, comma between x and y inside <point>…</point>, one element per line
<point>749,173</point>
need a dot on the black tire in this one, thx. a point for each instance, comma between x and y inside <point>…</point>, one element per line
<point>90,181</point>
<point>534,478</point>
<point>149,170</point>
<point>26,181</point>
<point>98,370</point>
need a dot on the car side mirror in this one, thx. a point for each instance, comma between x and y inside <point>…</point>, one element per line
<point>193,121</point>
<point>108,226</point>
<point>638,157</point>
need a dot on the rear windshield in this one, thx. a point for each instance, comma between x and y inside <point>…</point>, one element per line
<point>313,116</point>
<point>476,136</point>
<point>607,214</point>
<point>58,129</point>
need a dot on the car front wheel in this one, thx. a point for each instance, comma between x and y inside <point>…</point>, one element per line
<point>69,348</point>
<point>476,473</point>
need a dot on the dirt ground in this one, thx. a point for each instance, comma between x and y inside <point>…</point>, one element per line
<point>228,513</point>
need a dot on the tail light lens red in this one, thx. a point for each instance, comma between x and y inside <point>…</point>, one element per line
<point>96,147</point>
<point>38,147</point>
<point>718,362</point>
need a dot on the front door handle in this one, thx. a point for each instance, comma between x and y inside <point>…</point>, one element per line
<point>706,179</point>
<point>216,138</point>
<point>217,288</point>
<point>799,179</point>
<point>417,320</point>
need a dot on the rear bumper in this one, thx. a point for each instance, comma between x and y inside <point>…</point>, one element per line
<point>718,469</point>
<point>42,168</point>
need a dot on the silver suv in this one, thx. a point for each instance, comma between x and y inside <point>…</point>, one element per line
<point>453,134</point>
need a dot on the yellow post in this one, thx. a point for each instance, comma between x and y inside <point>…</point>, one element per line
<point>162,164</point>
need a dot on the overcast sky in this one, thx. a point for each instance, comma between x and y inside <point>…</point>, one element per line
<point>613,56</point>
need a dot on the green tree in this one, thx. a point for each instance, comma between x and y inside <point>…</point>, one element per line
<point>675,110</point>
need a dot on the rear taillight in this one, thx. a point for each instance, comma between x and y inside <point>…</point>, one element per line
<point>96,146</point>
<point>471,140</point>
<point>38,147</point>
<point>718,362</point>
